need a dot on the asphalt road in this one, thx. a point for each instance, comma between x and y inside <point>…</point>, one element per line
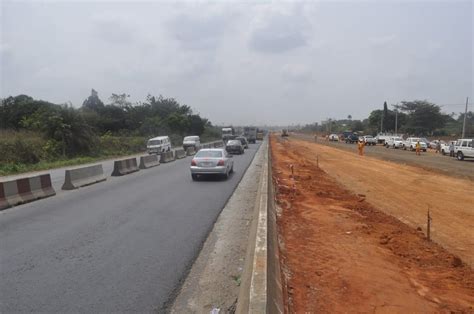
<point>121,245</point>
<point>428,160</point>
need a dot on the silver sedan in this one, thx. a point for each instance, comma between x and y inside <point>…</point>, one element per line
<point>212,161</point>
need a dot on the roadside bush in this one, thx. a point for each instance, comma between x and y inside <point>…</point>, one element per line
<point>21,147</point>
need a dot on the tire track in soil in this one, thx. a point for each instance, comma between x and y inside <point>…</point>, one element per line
<point>341,254</point>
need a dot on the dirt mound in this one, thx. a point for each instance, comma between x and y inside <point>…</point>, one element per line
<point>341,254</point>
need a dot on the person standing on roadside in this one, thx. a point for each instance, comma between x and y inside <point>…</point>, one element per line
<point>418,148</point>
<point>361,146</point>
<point>315,137</point>
<point>451,149</point>
<point>438,147</point>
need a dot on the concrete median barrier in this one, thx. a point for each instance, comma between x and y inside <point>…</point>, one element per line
<point>75,178</point>
<point>25,190</point>
<point>190,151</point>
<point>125,166</point>
<point>180,153</point>
<point>149,161</point>
<point>167,157</point>
<point>218,144</point>
<point>261,289</point>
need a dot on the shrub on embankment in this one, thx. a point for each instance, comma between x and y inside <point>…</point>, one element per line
<point>37,135</point>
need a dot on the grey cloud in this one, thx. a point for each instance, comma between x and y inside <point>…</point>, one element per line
<point>115,31</point>
<point>280,33</point>
<point>197,33</point>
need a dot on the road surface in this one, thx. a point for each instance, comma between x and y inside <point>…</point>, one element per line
<point>121,245</point>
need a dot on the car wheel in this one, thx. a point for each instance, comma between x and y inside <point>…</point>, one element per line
<point>442,152</point>
<point>424,150</point>
<point>226,175</point>
<point>460,156</point>
<point>232,169</point>
<point>194,177</point>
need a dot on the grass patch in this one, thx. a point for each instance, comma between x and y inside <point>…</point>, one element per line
<point>17,168</point>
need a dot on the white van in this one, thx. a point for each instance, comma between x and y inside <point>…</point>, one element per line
<point>464,148</point>
<point>158,145</point>
<point>192,141</point>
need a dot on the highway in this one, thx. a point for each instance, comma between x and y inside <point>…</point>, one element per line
<point>121,245</point>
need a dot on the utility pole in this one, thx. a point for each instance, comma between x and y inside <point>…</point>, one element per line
<point>396,121</point>
<point>465,116</point>
<point>381,122</point>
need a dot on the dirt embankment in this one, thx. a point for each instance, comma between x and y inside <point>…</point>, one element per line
<point>341,254</point>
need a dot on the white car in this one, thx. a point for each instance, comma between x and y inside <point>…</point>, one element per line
<point>192,141</point>
<point>158,145</point>
<point>334,137</point>
<point>445,147</point>
<point>464,148</point>
<point>369,140</point>
<point>395,142</point>
<point>213,161</point>
<point>410,144</point>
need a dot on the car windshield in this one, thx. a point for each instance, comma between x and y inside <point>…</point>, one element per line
<point>190,138</point>
<point>209,154</point>
<point>368,136</point>
<point>154,142</point>
<point>233,142</point>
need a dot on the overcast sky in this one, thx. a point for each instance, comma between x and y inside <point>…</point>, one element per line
<point>242,62</point>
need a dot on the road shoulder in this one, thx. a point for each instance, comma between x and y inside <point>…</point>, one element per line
<point>214,279</point>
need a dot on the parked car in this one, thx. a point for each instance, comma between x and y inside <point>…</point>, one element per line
<point>410,144</point>
<point>334,138</point>
<point>394,142</point>
<point>426,141</point>
<point>351,138</point>
<point>243,140</point>
<point>369,140</point>
<point>158,145</point>
<point>464,148</point>
<point>192,141</point>
<point>234,147</point>
<point>211,161</point>
<point>445,147</point>
<point>433,144</point>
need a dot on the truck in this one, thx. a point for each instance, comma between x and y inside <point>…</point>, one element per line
<point>260,135</point>
<point>383,138</point>
<point>251,134</point>
<point>284,133</point>
<point>227,134</point>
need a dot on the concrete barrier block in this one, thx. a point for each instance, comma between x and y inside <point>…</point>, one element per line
<point>190,151</point>
<point>25,190</point>
<point>180,153</point>
<point>75,178</point>
<point>167,157</point>
<point>125,166</point>
<point>149,161</point>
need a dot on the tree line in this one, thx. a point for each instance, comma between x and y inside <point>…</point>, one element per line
<point>418,117</point>
<point>76,131</point>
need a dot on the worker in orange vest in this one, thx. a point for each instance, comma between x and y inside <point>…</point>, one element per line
<point>361,146</point>
<point>418,148</point>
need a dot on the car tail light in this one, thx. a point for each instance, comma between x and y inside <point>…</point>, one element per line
<point>193,162</point>
<point>220,163</point>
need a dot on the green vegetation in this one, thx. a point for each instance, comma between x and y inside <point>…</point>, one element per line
<point>37,135</point>
<point>417,117</point>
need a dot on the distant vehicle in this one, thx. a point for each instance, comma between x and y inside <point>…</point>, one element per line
<point>445,147</point>
<point>410,144</point>
<point>211,161</point>
<point>425,140</point>
<point>434,144</point>
<point>227,134</point>
<point>382,138</point>
<point>369,140</point>
<point>395,142</point>
<point>284,132</point>
<point>234,146</point>
<point>251,134</point>
<point>192,141</point>
<point>344,135</point>
<point>351,138</point>
<point>464,148</point>
<point>243,140</point>
<point>158,145</point>
<point>334,138</point>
